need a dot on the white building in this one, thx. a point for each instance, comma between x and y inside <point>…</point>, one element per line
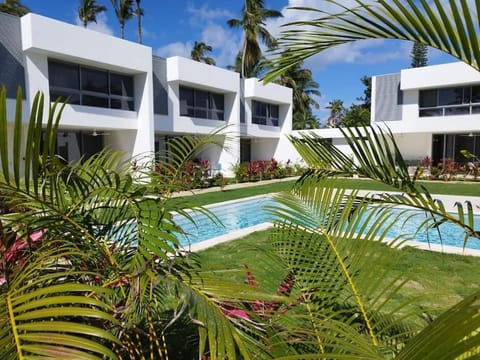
<point>122,96</point>
<point>432,111</point>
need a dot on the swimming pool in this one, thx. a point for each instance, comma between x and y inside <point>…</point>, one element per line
<point>243,214</point>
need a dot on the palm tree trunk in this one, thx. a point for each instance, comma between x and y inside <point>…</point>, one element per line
<point>122,30</point>
<point>139,15</point>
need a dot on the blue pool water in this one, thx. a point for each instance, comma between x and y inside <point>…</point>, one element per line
<point>250,212</point>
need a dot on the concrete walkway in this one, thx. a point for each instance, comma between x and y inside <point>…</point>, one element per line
<point>232,187</point>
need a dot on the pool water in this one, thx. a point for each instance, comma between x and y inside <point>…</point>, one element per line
<point>246,213</point>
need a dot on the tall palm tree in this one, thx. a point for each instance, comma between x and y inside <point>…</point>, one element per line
<point>88,11</point>
<point>14,7</point>
<point>252,23</point>
<point>198,53</point>
<point>124,12</point>
<point>303,87</point>
<point>139,14</point>
<point>337,113</point>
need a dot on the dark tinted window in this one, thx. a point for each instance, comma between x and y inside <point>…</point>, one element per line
<point>428,98</point>
<point>63,75</point>
<point>452,96</point>
<point>201,104</point>
<point>92,87</point>
<point>95,80</point>
<point>121,85</point>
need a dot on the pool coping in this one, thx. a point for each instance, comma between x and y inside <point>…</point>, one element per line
<point>448,200</point>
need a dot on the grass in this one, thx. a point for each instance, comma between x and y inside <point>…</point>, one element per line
<point>444,279</point>
<point>434,187</point>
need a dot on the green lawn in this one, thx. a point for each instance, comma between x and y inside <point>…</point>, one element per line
<point>443,279</point>
<point>435,187</point>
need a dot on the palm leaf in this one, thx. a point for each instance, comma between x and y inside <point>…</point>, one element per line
<point>45,312</point>
<point>329,237</point>
<point>450,26</point>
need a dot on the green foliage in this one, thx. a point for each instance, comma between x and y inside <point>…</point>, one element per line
<point>90,255</point>
<point>418,55</point>
<point>254,15</point>
<point>356,115</point>
<point>198,53</point>
<point>450,26</point>
<point>88,11</point>
<point>14,7</point>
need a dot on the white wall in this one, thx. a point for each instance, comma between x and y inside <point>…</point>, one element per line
<point>44,38</point>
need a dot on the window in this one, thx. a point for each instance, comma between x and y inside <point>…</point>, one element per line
<point>265,114</point>
<point>449,101</point>
<point>201,104</point>
<point>89,86</point>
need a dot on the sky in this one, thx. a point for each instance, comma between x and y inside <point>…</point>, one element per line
<point>170,27</point>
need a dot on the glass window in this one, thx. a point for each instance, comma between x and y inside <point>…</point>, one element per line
<point>122,104</point>
<point>95,80</point>
<point>431,112</point>
<point>91,87</point>
<point>89,100</point>
<point>63,75</point>
<point>73,98</point>
<point>265,114</point>
<point>121,85</point>
<point>201,104</point>
<point>428,98</point>
<point>475,94</point>
<point>451,96</point>
<point>457,110</point>
<point>201,99</point>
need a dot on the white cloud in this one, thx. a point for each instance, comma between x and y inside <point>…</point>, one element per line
<point>175,49</point>
<point>100,26</point>
<point>224,41</point>
<point>199,16</point>
<point>359,52</point>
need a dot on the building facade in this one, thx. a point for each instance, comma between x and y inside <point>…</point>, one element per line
<point>433,113</point>
<point>122,96</point>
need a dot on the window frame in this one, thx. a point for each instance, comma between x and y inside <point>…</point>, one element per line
<point>194,109</point>
<point>268,119</point>
<point>464,105</point>
<point>81,93</point>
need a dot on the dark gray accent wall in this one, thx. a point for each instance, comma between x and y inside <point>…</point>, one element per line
<point>12,73</point>
<point>388,98</point>
<point>160,89</point>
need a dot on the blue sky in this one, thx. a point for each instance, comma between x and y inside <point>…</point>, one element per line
<point>171,26</point>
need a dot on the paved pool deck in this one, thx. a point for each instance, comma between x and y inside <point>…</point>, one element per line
<point>449,202</point>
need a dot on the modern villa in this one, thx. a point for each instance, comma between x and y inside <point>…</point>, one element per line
<point>432,111</point>
<point>122,96</point>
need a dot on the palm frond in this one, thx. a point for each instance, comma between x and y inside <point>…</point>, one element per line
<point>450,26</point>
<point>46,312</point>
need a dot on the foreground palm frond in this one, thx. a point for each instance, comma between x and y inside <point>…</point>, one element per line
<point>451,26</point>
<point>330,237</point>
<point>377,157</point>
<point>122,267</point>
<point>39,303</point>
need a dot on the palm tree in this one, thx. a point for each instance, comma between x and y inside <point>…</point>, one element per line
<point>303,87</point>
<point>14,7</point>
<point>252,22</point>
<point>198,53</point>
<point>88,11</point>
<point>124,12</point>
<point>337,113</point>
<point>139,14</point>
